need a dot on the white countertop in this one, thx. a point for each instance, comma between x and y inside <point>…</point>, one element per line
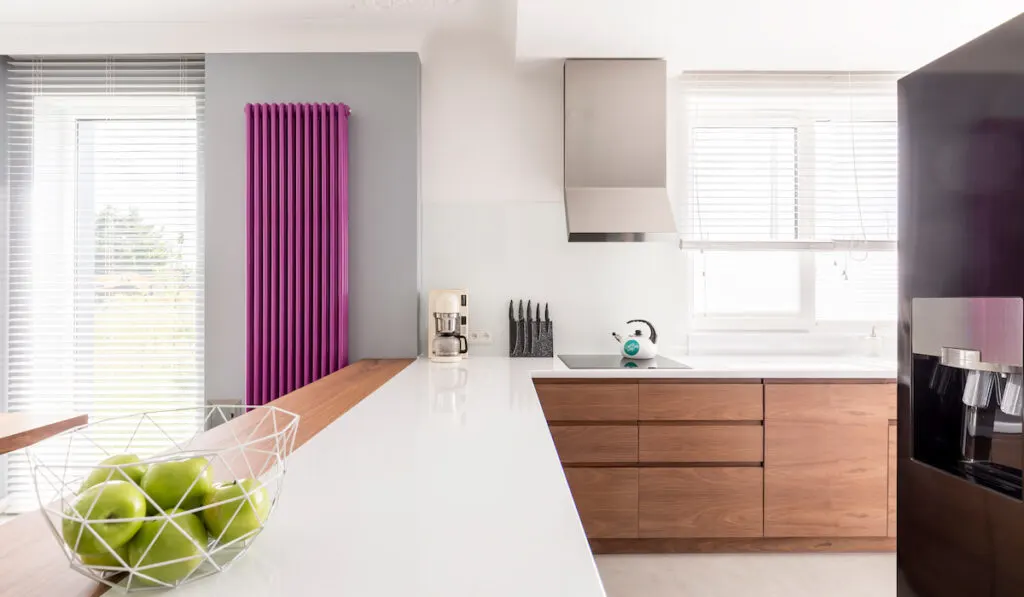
<point>445,482</point>
<point>737,367</point>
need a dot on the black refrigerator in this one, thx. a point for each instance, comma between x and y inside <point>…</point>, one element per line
<point>960,514</point>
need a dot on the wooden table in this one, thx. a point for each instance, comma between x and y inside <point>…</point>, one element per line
<point>31,562</point>
<point>19,430</point>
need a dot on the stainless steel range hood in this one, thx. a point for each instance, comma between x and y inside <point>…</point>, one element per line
<point>615,151</point>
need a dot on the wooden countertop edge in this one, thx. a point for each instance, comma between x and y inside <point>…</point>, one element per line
<point>31,562</point>
<point>27,437</point>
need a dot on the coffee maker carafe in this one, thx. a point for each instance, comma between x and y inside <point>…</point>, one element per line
<point>446,338</point>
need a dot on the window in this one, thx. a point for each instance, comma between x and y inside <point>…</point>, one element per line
<point>790,215</point>
<point>105,288</point>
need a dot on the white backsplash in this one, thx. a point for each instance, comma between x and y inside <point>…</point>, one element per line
<point>882,345</point>
<point>505,250</point>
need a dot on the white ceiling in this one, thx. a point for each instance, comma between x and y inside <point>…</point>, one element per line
<point>692,34</point>
<point>758,34</point>
<point>140,26</point>
<point>151,11</point>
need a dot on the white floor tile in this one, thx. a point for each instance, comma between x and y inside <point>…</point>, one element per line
<point>749,575</point>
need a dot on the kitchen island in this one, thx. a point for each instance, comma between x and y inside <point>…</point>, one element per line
<point>444,480</point>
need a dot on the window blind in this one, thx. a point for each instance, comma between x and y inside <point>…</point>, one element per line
<point>105,277</point>
<point>790,161</point>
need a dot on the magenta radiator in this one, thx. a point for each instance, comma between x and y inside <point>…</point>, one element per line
<point>297,246</point>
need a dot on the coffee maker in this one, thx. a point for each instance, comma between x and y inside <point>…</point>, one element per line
<point>447,325</point>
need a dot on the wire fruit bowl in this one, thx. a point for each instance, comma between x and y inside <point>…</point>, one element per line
<point>180,500</point>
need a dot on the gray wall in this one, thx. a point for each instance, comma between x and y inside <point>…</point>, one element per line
<point>383,90</point>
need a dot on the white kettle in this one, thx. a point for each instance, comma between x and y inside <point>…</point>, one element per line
<point>637,345</point>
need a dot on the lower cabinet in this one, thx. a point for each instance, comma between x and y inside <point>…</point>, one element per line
<point>784,465</point>
<point>606,499</point>
<point>701,502</point>
<point>826,462</point>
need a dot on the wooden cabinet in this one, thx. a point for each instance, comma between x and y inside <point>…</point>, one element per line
<point>596,444</point>
<point>697,444</point>
<point>702,466</point>
<point>606,499</point>
<point>701,402</point>
<point>596,424</point>
<point>826,466</point>
<point>701,502</point>
<point>891,510</point>
<point>588,401</point>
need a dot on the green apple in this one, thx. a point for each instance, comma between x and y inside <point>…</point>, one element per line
<point>108,558</point>
<point>160,541</point>
<point>129,469</point>
<point>167,483</point>
<point>221,519</point>
<point>113,499</point>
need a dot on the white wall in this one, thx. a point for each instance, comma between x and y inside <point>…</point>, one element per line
<point>491,129</point>
<point>493,216</point>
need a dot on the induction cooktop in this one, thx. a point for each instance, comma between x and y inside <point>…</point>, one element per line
<point>614,361</point>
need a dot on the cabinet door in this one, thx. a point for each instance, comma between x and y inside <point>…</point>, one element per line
<point>701,502</point>
<point>606,499</point>
<point>826,459</point>
<point>892,482</point>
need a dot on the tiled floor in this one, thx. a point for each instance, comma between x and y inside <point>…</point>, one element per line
<point>754,575</point>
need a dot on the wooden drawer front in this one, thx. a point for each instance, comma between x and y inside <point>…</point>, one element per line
<point>701,402</point>
<point>595,443</point>
<point>701,502</point>
<point>701,443</point>
<point>606,499</point>
<point>588,402</point>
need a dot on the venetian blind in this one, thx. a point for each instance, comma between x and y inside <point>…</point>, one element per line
<point>790,161</point>
<point>105,292</point>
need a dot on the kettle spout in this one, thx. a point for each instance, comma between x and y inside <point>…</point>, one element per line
<point>617,337</point>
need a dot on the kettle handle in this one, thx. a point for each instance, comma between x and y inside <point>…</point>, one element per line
<point>654,334</point>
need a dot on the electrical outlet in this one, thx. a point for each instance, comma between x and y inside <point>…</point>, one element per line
<point>229,410</point>
<point>480,337</point>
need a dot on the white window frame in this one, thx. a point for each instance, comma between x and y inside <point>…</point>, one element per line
<point>805,319</point>
<point>63,118</point>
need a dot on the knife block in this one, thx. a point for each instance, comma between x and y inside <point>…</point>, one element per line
<point>529,338</point>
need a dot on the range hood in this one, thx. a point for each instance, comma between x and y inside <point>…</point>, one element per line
<point>615,151</point>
